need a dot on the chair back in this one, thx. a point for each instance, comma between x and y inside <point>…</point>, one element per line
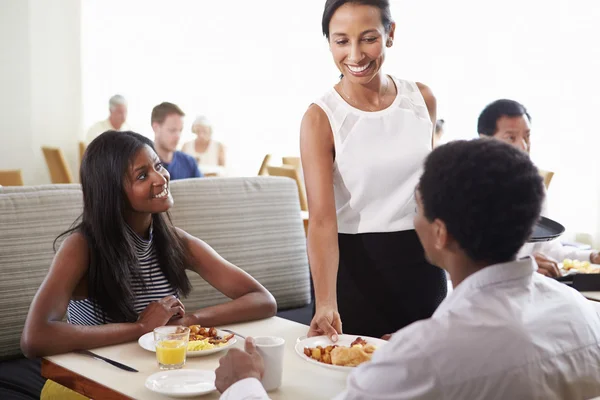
<point>547,175</point>
<point>291,172</point>
<point>263,167</point>
<point>57,165</point>
<point>293,161</point>
<point>11,177</point>
<point>82,147</point>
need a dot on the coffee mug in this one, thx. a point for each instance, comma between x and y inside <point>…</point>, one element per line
<point>271,349</point>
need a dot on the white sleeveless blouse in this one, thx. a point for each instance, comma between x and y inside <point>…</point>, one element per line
<point>378,160</point>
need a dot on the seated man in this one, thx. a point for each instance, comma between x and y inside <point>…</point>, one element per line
<point>509,121</point>
<point>167,124</point>
<point>505,332</point>
<point>116,121</point>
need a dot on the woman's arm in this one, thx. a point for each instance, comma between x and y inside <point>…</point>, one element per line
<point>250,300</point>
<point>188,148</point>
<point>431,104</point>
<point>317,153</point>
<point>46,334</point>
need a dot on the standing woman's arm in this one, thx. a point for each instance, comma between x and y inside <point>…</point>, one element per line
<point>317,151</point>
<point>431,104</point>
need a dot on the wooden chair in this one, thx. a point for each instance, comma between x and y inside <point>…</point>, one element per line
<point>547,175</point>
<point>82,147</point>
<point>293,161</point>
<point>263,167</point>
<point>57,165</point>
<point>291,172</point>
<point>11,177</point>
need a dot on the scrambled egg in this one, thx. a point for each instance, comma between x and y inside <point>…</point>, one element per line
<point>199,345</point>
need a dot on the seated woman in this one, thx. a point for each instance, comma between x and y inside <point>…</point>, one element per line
<point>209,154</point>
<point>121,270</point>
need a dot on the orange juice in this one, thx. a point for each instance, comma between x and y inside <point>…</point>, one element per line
<point>171,352</point>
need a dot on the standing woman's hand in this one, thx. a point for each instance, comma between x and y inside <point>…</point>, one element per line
<point>326,321</point>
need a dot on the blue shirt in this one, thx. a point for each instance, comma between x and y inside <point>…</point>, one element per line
<point>182,166</point>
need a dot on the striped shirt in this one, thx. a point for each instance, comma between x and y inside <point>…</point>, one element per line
<point>81,312</point>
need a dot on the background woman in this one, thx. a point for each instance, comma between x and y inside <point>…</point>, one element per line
<point>209,154</point>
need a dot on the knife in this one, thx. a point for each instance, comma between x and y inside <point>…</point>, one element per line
<point>108,360</point>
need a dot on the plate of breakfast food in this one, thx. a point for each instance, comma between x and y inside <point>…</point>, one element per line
<point>571,267</point>
<point>203,341</point>
<point>348,352</point>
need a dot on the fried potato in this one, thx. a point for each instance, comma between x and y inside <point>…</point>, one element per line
<point>199,333</point>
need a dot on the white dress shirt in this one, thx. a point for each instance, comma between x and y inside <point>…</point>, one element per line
<point>556,250</point>
<point>505,332</point>
<point>103,126</point>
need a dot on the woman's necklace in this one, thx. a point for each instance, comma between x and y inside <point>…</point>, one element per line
<point>355,102</point>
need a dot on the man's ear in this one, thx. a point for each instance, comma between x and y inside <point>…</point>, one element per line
<point>440,234</point>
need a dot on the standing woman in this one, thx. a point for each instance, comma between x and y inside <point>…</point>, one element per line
<point>363,145</point>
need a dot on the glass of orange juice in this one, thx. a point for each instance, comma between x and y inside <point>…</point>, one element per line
<point>171,346</point>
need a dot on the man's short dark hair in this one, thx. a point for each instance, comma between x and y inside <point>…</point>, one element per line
<point>488,193</point>
<point>163,110</point>
<point>488,119</point>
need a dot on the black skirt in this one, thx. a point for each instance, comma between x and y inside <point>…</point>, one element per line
<point>384,282</point>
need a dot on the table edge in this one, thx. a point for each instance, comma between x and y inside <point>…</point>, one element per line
<point>78,383</point>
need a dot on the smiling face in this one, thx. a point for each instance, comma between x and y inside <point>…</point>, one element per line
<point>147,183</point>
<point>358,40</point>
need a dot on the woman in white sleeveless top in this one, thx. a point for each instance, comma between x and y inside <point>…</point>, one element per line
<point>209,154</point>
<point>363,145</point>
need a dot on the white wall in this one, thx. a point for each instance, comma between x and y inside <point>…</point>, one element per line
<point>40,78</point>
<point>15,87</point>
<point>249,66</point>
<point>254,67</point>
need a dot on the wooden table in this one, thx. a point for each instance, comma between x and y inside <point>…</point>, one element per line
<point>99,380</point>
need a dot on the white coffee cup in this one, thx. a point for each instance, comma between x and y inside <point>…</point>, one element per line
<point>271,349</point>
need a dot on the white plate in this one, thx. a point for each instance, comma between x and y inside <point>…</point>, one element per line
<point>147,342</point>
<point>182,382</point>
<point>323,341</point>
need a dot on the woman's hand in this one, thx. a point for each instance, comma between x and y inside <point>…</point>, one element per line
<point>326,321</point>
<point>186,320</point>
<point>158,313</point>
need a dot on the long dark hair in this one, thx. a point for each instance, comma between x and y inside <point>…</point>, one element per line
<point>113,262</point>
